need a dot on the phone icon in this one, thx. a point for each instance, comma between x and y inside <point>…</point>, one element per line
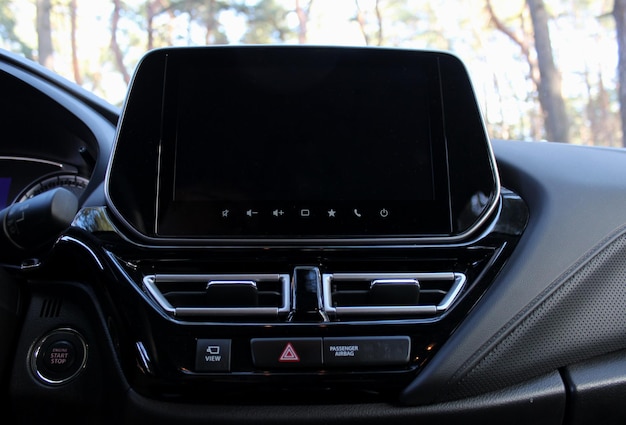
<point>356,212</point>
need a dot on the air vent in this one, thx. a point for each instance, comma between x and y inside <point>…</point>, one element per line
<point>224,295</point>
<point>51,308</point>
<point>355,296</point>
<point>390,294</point>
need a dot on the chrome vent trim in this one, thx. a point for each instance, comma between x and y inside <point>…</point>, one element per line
<point>451,283</point>
<point>437,293</point>
<point>151,285</point>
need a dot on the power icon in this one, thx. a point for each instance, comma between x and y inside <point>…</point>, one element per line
<point>384,213</point>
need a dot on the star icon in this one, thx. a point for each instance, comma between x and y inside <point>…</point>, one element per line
<point>332,213</point>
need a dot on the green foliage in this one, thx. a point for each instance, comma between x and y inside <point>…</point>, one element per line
<point>584,45</point>
<point>7,30</point>
<point>266,22</point>
<point>416,24</point>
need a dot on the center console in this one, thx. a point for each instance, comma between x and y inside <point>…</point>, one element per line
<point>297,218</point>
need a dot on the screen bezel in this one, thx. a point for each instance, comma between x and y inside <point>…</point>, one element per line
<point>199,220</point>
<point>131,185</point>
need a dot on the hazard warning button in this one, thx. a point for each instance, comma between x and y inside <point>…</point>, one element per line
<point>279,353</point>
<point>289,355</point>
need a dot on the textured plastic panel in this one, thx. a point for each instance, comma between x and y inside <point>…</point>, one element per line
<point>577,317</point>
<point>538,402</point>
<point>560,299</point>
<point>597,390</point>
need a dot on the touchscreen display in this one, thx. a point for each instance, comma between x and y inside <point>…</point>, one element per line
<point>262,135</point>
<point>275,144</point>
<point>302,147</point>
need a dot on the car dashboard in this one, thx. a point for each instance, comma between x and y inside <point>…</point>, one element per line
<point>220,259</point>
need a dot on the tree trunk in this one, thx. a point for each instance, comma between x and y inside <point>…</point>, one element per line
<point>150,24</point>
<point>303,18</point>
<point>524,41</point>
<point>44,33</point>
<point>73,28</point>
<point>550,96</point>
<point>360,19</point>
<point>619,13</point>
<point>379,21</point>
<point>115,47</point>
<point>211,23</point>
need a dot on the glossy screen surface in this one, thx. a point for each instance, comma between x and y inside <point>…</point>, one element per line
<point>325,145</point>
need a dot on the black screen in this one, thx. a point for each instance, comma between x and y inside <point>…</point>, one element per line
<point>302,145</point>
<point>269,134</point>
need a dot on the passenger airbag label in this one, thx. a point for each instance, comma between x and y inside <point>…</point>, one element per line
<point>367,351</point>
<point>343,350</point>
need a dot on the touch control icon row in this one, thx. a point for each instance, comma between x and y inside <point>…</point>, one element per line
<point>303,213</point>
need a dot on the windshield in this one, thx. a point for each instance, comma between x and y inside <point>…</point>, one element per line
<point>542,70</point>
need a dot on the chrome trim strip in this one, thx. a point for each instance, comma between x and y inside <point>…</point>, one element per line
<point>386,310</point>
<point>231,282</point>
<point>83,245</point>
<point>149,283</point>
<point>179,278</point>
<point>26,159</point>
<point>373,276</point>
<point>453,293</point>
<point>226,311</point>
<point>144,358</point>
<point>383,282</point>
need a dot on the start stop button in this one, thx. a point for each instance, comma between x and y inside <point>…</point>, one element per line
<point>59,356</point>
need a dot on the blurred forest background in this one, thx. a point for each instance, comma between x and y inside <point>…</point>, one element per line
<point>543,70</point>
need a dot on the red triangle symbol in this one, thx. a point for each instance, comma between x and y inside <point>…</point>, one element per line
<point>289,354</point>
